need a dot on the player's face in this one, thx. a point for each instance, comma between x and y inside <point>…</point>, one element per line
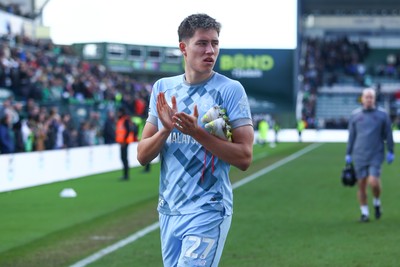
<point>201,52</point>
<point>368,100</point>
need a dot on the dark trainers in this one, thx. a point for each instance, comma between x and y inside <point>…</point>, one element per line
<point>364,218</point>
<point>378,212</point>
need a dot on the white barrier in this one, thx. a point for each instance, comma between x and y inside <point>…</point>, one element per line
<point>318,136</point>
<point>23,170</point>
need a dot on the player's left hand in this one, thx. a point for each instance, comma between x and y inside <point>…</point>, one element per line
<point>389,157</point>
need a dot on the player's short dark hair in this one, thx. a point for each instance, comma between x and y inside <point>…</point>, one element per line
<point>190,24</point>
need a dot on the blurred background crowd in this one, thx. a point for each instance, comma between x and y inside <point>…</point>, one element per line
<point>326,62</point>
<point>59,101</point>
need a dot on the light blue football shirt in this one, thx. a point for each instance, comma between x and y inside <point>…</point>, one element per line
<point>192,180</point>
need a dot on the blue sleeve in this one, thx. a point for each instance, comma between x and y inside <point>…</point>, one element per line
<point>237,106</point>
<point>153,103</point>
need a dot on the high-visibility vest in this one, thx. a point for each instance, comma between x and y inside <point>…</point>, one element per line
<point>120,131</point>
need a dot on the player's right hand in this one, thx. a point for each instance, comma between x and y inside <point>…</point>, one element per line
<point>165,112</point>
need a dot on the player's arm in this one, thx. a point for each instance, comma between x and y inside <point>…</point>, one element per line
<point>151,143</point>
<point>153,139</point>
<point>238,153</point>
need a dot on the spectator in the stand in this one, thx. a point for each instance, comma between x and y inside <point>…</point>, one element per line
<point>60,128</point>
<point>17,133</point>
<point>69,134</point>
<point>27,135</point>
<point>11,109</point>
<point>109,128</point>
<point>40,131</point>
<point>83,134</point>
<point>6,136</point>
<point>95,128</point>
<point>52,129</point>
<point>139,105</point>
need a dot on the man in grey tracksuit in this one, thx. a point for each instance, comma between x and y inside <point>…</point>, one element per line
<point>369,130</point>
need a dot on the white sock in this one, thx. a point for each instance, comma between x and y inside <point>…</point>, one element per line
<point>364,210</point>
<point>377,202</point>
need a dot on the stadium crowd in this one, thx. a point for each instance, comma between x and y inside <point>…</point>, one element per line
<point>45,80</point>
<point>49,82</point>
<point>330,61</point>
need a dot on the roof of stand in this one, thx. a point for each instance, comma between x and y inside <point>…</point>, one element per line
<point>349,7</point>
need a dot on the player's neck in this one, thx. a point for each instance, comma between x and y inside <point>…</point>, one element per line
<point>196,78</point>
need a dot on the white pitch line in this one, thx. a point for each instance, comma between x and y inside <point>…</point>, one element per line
<point>275,165</point>
<point>132,238</point>
<point>94,257</point>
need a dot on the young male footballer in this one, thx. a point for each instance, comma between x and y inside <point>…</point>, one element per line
<point>369,132</point>
<point>200,124</point>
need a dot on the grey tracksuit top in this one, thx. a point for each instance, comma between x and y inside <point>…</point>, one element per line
<point>369,129</point>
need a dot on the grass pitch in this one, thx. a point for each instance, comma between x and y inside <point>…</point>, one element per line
<point>295,215</point>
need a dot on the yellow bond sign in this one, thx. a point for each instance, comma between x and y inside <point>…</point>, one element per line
<point>241,61</point>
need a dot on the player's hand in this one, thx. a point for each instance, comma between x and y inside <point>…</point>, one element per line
<point>389,157</point>
<point>348,159</point>
<point>165,112</point>
<point>186,123</point>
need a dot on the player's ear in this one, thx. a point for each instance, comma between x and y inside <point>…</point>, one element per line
<point>182,47</point>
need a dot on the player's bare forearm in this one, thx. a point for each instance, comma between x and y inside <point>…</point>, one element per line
<point>151,144</point>
<point>238,153</point>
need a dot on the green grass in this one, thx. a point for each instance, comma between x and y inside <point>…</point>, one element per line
<point>296,215</point>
